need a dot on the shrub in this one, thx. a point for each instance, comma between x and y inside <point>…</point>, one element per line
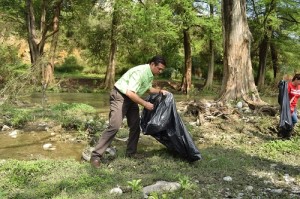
<point>69,66</point>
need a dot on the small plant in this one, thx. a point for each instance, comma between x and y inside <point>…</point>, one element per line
<point>155,195</point>
<point>185,183</point>
<point>135,185</point>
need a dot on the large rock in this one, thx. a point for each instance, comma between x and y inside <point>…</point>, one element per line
<point>160,187</point>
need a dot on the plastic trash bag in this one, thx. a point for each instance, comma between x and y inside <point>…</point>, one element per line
<point>166,126</point>
<point>285,123</point>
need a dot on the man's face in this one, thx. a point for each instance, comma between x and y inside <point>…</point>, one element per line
<point>157,69</point>
<point>297,81</point>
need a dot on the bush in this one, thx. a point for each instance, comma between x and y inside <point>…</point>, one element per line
<point>15,117</point>
<point>9,63</point>
<point>74,115</point>
<point>69,66</point>
<point>167,72</point>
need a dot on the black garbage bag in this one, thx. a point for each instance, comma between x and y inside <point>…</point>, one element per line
<point>285,123</point>
<point>166,126</point>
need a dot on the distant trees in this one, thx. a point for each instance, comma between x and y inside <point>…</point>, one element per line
<point>113,35</point>
<point>274,25</point>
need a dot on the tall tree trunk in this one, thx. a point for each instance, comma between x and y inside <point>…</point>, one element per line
<point>49,70</point>
<point>37,38</point>
<point>211,66</point>
<point>238,82</point>
<point>274,56</point>
<point>263,52</point>
<point>187,77</point>
<point>110,71</point>
<point>32,36</point>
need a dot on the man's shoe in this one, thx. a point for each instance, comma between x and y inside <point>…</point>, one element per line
<point>95,162</point>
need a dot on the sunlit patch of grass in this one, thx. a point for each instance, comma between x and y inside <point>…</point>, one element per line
<point>246,156</point>
<point>281,147</point>
<point>14,116</point>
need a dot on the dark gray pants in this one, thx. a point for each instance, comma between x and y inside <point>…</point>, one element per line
<point>120,106</point>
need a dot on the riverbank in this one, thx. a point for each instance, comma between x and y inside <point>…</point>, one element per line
<point>242,158</point>
<point>239,161</point>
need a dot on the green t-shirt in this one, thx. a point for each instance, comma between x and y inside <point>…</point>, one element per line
<point>137,79</point>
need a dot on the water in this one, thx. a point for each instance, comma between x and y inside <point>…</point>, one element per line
<point>29,145</point>
<point>98,100</point>
<point>101,100</point>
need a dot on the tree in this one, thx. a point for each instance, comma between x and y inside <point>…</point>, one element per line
<point>187,77</point>
<point>210,73</point>
<point>274,25</point>
<point>40,18</point>
<point>185,16</point>
<point>111,68</point>
<point>48,68</point>
<point>238,82</point>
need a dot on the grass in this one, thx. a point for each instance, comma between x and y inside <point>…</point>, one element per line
<point>257,161</point>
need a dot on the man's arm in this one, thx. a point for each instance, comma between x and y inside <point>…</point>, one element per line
<point>134,97</point>
<point>155,90</point>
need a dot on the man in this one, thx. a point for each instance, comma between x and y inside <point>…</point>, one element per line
<point>124,100</point>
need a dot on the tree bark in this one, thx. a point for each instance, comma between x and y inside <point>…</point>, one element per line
<point>32,37</point>
<point>110,71</point>
<point>187,77</point>
<point>274,56</point>
<point>263,52</point>
<point>211,66</point>
<point>238,82</point>
<point>48,69</point>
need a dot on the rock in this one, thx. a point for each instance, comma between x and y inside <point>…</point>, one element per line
<point>86,153</point>
<point>14,133</point>
<point>249,188</point>
<point>111,151</point>
<point>160,186</point>
<point>48,147</point>
<point>239,105</point>
<point>279,191</point>
<point>227,178</point>
<point>116,191</point>
<point>288,178</point>
<point>5,128</point>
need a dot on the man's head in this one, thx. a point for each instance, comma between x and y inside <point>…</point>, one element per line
<point>296,79</point>
<point>157,64</point>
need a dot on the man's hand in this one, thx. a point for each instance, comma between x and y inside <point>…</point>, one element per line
<point>149,106</point>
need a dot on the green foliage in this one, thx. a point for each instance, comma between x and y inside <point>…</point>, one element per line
<point>167,73</point>
<point>239,155</point>
<point>69,66</point>
<point>74,115</point>
<point>176,75</point>
<point>73,107</point>
<point>276,21</point>
<point>10,64</point>
<point>155,195</point>
<point>15,117</point>
<point>269,76</point>
<point>282,146</point>
<point>185,183</point>
<point>135,185</point>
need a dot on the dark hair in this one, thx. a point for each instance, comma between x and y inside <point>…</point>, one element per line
<point>158,60</point>
<point>296,77</point>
